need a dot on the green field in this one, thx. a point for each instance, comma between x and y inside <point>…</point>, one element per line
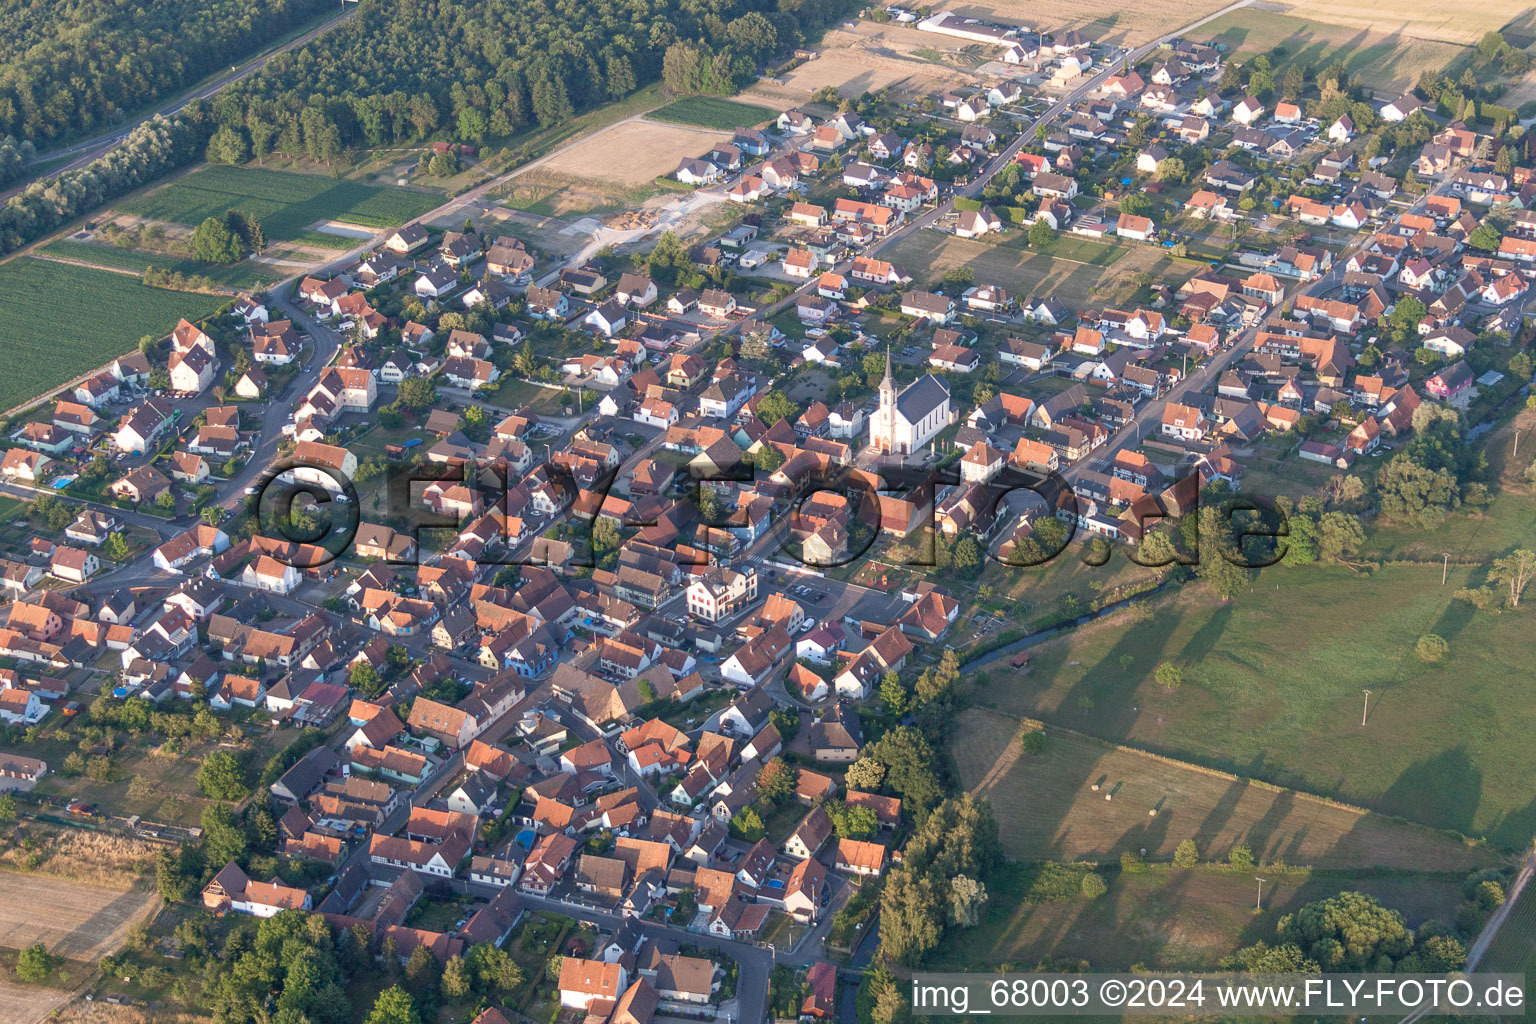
<point>712,112</point>
<point>1272,690</point>
<point>1166,919</point>
<point>286,204</point>
<point>1514,948</point>
<point>59,321</point>
<point>241,275</point>
<point>1378,58</point>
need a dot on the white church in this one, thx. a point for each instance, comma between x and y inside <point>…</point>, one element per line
<point>906,421</point>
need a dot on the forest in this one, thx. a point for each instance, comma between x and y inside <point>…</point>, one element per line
<point>410,70</point>
<point>82,65</point>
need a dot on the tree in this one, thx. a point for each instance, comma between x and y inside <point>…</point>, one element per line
<point>1040,233</point>
<point>213,242</point>
<point>363,677</point>
<point>34,964</point>
<point>776,406</point>
<point>852,821</point>
<point>7,809</point>
<point>776,781</point>
<point>1515,570</point>
<point>911,916</point>
<point>1485,236</point>
<point>605,534</point>
<point>866,774</point>
<point>967,558</point>
<point>220,777</point>
<point>394,1006</point>
<point>1431,647</point>
<point>223,840</point>
<point>1240,857</point>
<point>1262,958</point>
<point>1169,675</point>
<point>1347,932</point>
<point>456,978</point>
<point>226,146</point>
<point>417,393</point>
<point>472,125</point>
<point>748,825</point>
<point>1185,855</point>
<point>892,693</point>
<point>1172,170</point>
<point>494,969</point>
<point>1339,536</point>
<point>967,899</point>
<point>1093,885</point>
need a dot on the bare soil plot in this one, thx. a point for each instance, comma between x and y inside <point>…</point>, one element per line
<point>927,254</point>
<point>633,153</point>
<point>1122,24</point>
<point>28,1004</point>
<point>1048,810</point>
<point>73,919</point>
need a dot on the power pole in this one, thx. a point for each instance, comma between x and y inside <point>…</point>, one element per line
<point>1516,453</point>
<point>1366,709</point>
<point>1258,900</point>
<point>1445,568</point>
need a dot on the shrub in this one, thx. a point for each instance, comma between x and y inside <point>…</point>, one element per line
<point>1432,647</point>
<point>1093,885</point>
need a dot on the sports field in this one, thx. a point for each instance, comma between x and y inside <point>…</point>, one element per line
<point>286,204</point>
<point>1381,55</point>
<point>59,321</point>
<point>1272,690</point>
<point>713,112</point>
<point>1048,809</point>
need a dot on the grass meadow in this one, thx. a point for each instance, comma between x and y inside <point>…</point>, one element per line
<point>1272,687</point>
<point>51,320</point>
<point>1165,918</point>
<point>286,204</point>
<point>244,274</point>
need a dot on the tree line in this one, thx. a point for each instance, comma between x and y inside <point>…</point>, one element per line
<point>87,65</point>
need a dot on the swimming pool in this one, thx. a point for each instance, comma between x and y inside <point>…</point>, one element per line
<point>525,838</point>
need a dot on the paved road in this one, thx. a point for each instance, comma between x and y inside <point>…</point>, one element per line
<point>84,152</point>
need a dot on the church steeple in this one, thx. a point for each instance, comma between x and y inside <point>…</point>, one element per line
<point>888,385</point>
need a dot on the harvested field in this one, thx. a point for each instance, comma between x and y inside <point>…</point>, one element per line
<point>1079,272</point>
<point>1386,60</point>
<point>73,919</point>
<point>1048,810</point>
<point>28,1004</point>
<point>631,154</point>
<point>864,59</point>
<point>1463,23</point>
<point>1125,25</point>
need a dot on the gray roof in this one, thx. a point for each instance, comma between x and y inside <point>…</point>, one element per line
<point>921,397</point>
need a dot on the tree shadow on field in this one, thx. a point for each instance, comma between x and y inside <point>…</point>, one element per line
<point>1217,820</point>
<point>1515,829</point>
<point>1443,791</point>
<point>1263,835</point>
<point>1453,620</point>
<point>1206,637</point>
<point>1103,701</point>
